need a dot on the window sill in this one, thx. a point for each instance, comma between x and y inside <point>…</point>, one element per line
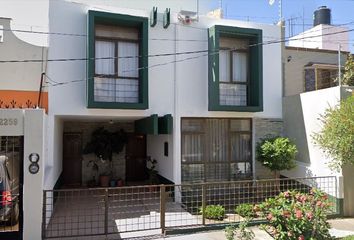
<point>116,105</point>
<point>236,108</point>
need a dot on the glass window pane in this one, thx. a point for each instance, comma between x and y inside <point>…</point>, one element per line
<point>233,94</point>
<point>127,90</point>
<point>240,125</point>
<point>192,172</point>
<point>104,49</point>
<point>217,172</point>
<point>128,59</point>
<point>310,79</point>
<point>241,148</point>
<point>241,170</point>
<point>192,125</point>
<point>239,66</point>
<point>216,140</point>
<point>104,89</point>
<point>224,66</point>
<point>192,148</point>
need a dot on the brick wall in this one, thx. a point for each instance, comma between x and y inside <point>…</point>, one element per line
<point>262,128</point>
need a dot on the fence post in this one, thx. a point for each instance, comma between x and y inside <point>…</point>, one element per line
<point>44,213</point>
<point>203,203</point>
<point>162,208</point>
<point>106,212</point>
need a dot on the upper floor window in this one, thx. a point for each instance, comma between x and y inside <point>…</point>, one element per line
<point>117,66</point>
<point>320,76</point>
<point>235,69</point>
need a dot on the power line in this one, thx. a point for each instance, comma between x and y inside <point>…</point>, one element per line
<point>169,54</point>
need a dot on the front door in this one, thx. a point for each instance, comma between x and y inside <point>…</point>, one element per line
<point>136,158</point>
<point>72,159</point>
<point>11,182</point>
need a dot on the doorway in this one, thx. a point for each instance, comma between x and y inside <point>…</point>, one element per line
<point>11,187</point>
<point>136,158</point>
<point>72,159</point>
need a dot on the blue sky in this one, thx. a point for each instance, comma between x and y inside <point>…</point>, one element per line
<point>261,11</point>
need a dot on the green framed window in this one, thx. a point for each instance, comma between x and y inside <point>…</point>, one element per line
<point>117,66</point>
<point>216,149</point>
<point>235,69</point>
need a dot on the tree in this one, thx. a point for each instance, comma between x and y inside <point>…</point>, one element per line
<point>276,153</point>
<point>348,76</point>
<point>336,137</point>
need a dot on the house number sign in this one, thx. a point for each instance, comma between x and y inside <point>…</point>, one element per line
<point>8,121</point>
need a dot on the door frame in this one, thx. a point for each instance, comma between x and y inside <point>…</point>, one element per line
<point>72,133</point>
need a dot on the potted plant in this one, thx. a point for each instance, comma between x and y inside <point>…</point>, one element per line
<point>103,144</point>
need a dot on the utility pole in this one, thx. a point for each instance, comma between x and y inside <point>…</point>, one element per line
<point>339,66</point>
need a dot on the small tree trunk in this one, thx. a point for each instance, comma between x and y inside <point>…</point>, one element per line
<point>277,180</point>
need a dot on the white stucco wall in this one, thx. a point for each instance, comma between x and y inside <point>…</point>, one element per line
<point>301,121</point>
<point>155,149</point>
<point>31,123</point>
<point>322,36</point>
<point>179,88</point>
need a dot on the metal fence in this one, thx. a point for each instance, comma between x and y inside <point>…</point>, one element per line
<point>105,211</point>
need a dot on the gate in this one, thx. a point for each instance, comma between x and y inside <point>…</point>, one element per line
<point>123,211</point>
<point>11,180</point>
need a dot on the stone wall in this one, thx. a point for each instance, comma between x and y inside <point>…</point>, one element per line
<point>262,128</point>
<point>118,160</point>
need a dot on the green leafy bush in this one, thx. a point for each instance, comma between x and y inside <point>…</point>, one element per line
<point>276,153</point>
<point>336,137</point>
<point>215,212</point>
<point>297,216</point>
<point>241,231</point>
<point>245,210</point>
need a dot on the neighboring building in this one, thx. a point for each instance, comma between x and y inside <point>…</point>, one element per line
<point>322,35</point>
<point>310,87</point>
<point>308,69</point>
<point>22,132</point>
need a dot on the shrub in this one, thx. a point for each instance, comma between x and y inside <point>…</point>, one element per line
<point>293,215</point>
<point>245,210</point>
<point>241,231</point>
<point>276,153</point>
<point>336,137</point>
<point>215,212</point>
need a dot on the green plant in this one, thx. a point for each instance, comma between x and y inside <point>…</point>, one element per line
<point>153,173</point>
<point>104,143</point>
<point>245,210</point>
<point>298,216</point>
<point>241,231</point>
<point>215,212</point>
<point>336,137</point>
<point>276,153</point>
<point>348,76</point>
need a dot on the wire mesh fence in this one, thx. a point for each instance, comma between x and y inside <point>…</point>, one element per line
<point>104,211</point>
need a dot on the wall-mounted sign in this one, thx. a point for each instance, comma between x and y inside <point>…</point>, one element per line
<point>34,166</point>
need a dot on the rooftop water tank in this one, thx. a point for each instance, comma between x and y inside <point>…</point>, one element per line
<point>322,16</point>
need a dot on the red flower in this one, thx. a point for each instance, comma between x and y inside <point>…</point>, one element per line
<point>301,237</point>
<point>286,194</point>
<point>298,214</point>
<point>270,217</point>
<point>309,215</point>
<point>319,204</point>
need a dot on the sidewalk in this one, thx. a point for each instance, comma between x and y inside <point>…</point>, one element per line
<point>340,228</point>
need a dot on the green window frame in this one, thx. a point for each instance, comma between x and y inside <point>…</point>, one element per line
<point>255,68</point>
<point>141,23</point>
